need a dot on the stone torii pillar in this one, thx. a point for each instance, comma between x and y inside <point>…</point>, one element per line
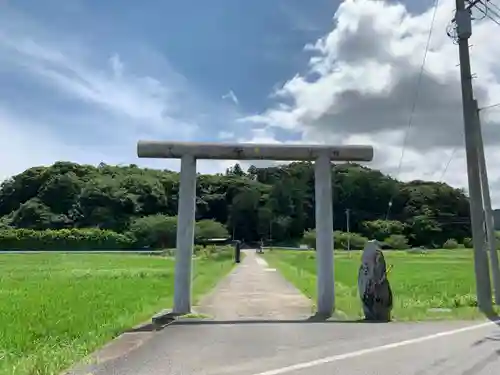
<point>189,152</point>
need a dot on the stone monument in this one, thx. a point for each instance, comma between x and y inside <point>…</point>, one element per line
<point>374,288</point>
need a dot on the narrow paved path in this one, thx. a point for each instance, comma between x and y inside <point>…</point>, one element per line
<point>255,291</point>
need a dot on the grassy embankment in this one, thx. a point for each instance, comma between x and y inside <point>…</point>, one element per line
<point>57,308</point>
<point>437,284</point>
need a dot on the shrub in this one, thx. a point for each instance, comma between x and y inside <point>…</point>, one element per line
<point>341,241</point>
<point>154,231</point>
<point>382,229</point>
<point>207,229</point>
<point>160,231</point>
<point>63,239</point>
<point>468,242</point>
<point>214,252</point>
<point>397,241</point>
<point>309,238</point>
<point>450,244</point>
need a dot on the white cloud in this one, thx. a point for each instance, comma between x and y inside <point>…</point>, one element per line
<point>360,87</point>
<point>25,144</point>
<point>117,103</point>
<point>35,144</point>
<point>141,99</point>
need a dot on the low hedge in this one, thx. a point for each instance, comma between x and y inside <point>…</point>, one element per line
<point>87,239</point>
<point>64,239</point>
<point>341,240</point>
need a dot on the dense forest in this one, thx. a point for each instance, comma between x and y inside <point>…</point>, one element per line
<point>275,203</point>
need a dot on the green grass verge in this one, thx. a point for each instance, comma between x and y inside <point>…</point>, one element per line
<point>423,284</point>
<point>57,308</point>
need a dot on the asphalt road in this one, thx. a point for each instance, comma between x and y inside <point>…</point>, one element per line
<point>272,344</point>
<point>301,348</point>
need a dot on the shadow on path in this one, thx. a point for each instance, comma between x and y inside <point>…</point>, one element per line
<point>495,318</point>
<point>150,327</point>
<point>207,321</point>
<point>265,321</point>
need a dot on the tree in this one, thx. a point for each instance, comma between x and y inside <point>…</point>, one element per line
<point>243,214</point>
<point>397,242</point>
<point>208,229</point>
<point>235,171</point>
<point>32,214</point>
<point>381,229</point>
<point>155,231</point>
<point>60,192</point>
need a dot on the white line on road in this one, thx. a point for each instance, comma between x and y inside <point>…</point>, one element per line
<point>261,261</point>
<point>357,353</point>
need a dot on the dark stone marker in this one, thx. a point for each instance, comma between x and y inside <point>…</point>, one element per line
<point>374,288</point>
<point>237,251</point>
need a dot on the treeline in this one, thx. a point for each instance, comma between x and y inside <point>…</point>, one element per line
<point>275,203</point>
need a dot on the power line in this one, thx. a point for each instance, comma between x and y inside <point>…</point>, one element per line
<point>447,165</point>
<point>455,149</point>
<point>415,99</point>
<point>497,8</point>
<point>486,14</point>
<point>490,106</point>
<point>491,10</point>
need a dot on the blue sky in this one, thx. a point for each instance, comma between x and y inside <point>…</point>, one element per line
<point>195,66</point>
<point>83,80</point>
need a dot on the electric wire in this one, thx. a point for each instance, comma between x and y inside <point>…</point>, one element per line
<point>490,10</point>
<point>447,165</point>
<point>492,7</point>
<point>490,106</point>
<point>455,149</point>
<point>415,100</point>
<point>496,7</point>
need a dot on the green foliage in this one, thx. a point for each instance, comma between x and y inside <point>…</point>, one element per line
<point>397,241</point>
<point>58,308</point>
<point>275,203</point>
<point>341,240</point>
<point>154,231</point>
<point>450,244</point>
<point>214,252</point>
<point>209,228</point>
<point>353,241</point>
<point>420,281</point>
<point>468,242</point>
<point>63,239</point>
<point>381,229</point>
<point>309,239</point>
<point>160,231</point>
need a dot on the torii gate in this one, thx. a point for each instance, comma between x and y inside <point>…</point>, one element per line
<point>189,152</point>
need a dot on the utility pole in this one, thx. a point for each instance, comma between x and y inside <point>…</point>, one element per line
<point>348,217</point>
<point>488,211</point>
<point>271,233</point>
<point>483,283</point>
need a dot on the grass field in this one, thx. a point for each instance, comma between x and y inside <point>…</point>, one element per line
<point>441,279</point>
<point>57,308</point>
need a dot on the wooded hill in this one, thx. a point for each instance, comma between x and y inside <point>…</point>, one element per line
<point>274,202</point>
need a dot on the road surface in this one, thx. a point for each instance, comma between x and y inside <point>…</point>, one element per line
<point>270,342</point>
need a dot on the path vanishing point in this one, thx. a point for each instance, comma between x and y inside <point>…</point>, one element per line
<point>258,326</point>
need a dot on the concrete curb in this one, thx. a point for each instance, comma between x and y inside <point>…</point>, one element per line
<point>126,342</point>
